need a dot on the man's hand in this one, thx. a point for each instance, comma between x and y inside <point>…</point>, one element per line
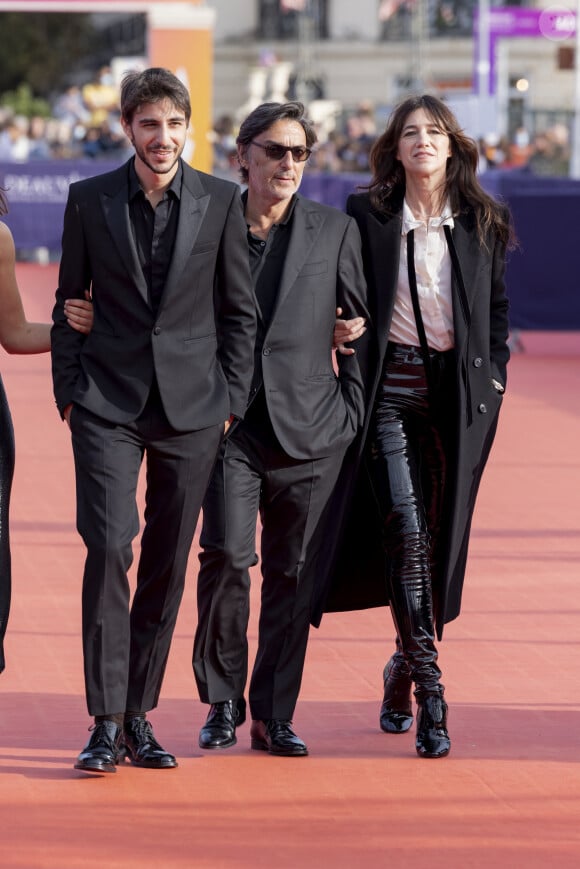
<point>346,331</point>
<point>66,413</point>
<point>79,313</point>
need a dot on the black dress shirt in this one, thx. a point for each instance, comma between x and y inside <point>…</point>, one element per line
<point>267,258</point>
<point>154,231</point>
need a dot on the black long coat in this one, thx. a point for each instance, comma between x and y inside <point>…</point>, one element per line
<point>350,561</point>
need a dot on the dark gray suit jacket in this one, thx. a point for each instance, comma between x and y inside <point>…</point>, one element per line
<point>315,411</point>
<point>200,343</point>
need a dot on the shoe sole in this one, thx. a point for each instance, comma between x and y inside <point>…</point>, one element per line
<point>263,746</point>
<point>432,756</point>
<point>221,745</point>
<point>98,770</point>
<point>148,764</point>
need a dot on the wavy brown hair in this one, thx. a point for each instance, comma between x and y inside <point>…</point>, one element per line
<point>461,187</point>
<point>152,86</point>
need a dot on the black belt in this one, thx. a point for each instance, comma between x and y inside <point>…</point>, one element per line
<point>413,354</point>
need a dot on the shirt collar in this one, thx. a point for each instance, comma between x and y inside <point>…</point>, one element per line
<point>288,215</point>
<point>410,222</point>
<point>135,186</point>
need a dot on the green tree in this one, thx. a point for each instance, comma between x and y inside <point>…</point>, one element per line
<point>22,102</point>
<point>42,49</point>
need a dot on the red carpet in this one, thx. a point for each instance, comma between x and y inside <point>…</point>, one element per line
<point>507,796</point>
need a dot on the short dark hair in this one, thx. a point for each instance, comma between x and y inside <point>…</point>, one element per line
<point>3,202</point>
<point>265,115</point>
<point>151,86</point>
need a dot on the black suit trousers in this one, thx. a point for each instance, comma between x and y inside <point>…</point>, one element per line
<point>126,644</point>
<point>254,474</point>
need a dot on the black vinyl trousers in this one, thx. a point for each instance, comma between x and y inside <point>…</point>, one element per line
<point>412,431</point>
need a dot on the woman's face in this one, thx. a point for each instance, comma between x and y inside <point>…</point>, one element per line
<point>424,147</point>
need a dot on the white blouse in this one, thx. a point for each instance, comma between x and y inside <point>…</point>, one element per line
<point>434,273</point>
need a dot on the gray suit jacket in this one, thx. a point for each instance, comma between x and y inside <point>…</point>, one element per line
<point>199,345</point>
<point>314,410</point>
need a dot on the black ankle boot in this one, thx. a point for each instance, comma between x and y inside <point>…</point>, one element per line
<point>432,739</point>
<point>396,711</point>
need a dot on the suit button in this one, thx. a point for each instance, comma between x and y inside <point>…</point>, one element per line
<point>482,408</point>
<point>266,351</point>
<point>477,362</point>
<point>157,330</point>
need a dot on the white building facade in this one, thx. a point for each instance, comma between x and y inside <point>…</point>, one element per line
<point>341,51</point>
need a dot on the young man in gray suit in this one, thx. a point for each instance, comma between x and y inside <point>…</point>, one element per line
<point>283,459</point>
<point>168,364</point>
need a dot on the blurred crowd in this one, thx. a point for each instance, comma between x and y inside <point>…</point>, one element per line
<point>546,153</point>
<point>84,123</point>
<point>347,146</point>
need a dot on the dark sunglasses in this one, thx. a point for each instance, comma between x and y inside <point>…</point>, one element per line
<point>277,152</point>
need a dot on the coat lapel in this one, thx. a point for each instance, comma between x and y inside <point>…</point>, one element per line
<point>467,247</point>
<point>384,238</point>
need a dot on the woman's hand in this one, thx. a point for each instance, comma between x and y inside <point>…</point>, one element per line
<point>346,331</point>
<point>79,313</point>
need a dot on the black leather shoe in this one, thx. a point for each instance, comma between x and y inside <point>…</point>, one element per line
<point>432,739</point>
<point>277,737</point>
<point>103,751</point>
<point>142,748</point>
<point>219,730</point>
<point>396,714</point>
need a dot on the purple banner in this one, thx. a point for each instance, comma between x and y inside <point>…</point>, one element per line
<point>555,24</point>
<point>37,193</point>
<point>542,289</point>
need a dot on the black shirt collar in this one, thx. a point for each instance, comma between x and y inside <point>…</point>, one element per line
<point>289,213</point>
<point>135,186</point>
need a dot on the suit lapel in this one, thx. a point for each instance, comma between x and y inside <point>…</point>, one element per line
<point>192,209</point>
<point>115,203</point>
<point>306,226</point>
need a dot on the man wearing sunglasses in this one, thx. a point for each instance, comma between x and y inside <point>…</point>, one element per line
<point>282,460</point>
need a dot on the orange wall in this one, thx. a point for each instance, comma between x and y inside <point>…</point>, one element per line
<point>189,54</point>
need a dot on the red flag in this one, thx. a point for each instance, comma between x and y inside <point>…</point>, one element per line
<point>292,5</point>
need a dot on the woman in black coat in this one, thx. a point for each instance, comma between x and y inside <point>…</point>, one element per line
<point>434,246</point>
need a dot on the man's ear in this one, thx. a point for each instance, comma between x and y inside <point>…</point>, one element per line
<point>126,127</point>
<point>242,156</point>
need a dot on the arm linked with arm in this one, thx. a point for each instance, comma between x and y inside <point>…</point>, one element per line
<point>235,308</point>
<point>352,298</point>
<point>74,281</point>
